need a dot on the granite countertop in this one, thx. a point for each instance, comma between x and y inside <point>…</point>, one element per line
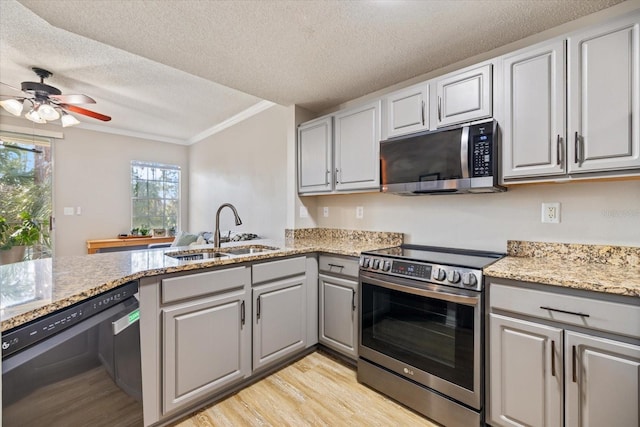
<point>36,288</point>
<point>599,268</point>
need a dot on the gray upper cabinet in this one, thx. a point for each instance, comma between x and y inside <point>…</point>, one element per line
<point>604,97</point>
<point>315,157</point>
<point>406,111</point>
<point>357,148</point>
<point>464,96</point>
<point>533,127</point>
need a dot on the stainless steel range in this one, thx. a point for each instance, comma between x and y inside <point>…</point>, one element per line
<point>421,329</point>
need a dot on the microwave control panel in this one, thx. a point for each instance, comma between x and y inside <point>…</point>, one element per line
<point>482,155</point>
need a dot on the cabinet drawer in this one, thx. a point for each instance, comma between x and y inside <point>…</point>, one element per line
<point>618,318</point>
<point>278,269</point>
<point>339,265</point>
<point>199,284</point>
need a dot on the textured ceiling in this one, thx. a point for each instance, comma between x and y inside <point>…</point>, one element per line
<point>317,54</point>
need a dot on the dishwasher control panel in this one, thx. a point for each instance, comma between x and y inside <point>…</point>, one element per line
<point>30,333</point>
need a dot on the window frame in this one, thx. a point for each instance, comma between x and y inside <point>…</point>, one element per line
<point>133,179</point>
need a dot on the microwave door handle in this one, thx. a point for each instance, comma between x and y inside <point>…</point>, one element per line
<point>464,152</point>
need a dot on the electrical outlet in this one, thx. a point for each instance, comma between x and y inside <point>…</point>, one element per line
<point>359,212</point>
<point>551,212</point>
<point>325,211</point>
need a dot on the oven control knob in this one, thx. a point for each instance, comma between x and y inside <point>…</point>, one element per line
<point>376,264</point>
<point>439,274</point>
<point>469,279</point>
<point>453,276</point>
<point>366,262</point>
<point>386,266</point>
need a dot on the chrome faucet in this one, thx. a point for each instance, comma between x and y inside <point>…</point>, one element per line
<point>216,234</point>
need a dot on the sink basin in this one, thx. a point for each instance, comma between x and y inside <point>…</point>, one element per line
<point>198,256</point>
<point>249,251</point>
<point>217,253</point>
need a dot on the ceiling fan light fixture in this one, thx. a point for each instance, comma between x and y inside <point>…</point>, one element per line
<point>34,116</point>
<point>12,106</point>
<point>68,120</point>
<point>48,113</point>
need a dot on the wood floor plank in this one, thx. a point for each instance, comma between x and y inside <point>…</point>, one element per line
<point>315,391</point>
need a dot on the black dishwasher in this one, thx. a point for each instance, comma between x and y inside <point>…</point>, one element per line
<point>79,366</point>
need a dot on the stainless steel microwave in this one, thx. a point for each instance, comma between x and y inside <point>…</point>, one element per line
<point>460,159</point>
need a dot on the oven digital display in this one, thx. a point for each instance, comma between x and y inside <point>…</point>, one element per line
<point>411,269</point>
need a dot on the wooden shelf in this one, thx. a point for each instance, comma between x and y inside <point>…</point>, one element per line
<point>94,246</point>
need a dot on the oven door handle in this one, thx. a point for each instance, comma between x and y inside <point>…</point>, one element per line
<point>436,293</point>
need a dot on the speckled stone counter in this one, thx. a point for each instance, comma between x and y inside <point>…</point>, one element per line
<point>32,289</point>
<point>599,268</point>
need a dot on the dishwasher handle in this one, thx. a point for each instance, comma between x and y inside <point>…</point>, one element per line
<point>130,317</point>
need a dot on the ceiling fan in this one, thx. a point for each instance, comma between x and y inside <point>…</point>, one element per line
<point>47,102</point>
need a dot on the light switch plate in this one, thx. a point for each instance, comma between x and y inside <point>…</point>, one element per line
<point>359,212</point>
<point>304,212</point>
<point>68,211</point>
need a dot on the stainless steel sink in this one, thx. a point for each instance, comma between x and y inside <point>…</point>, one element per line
<point>198,256</point>
<point>217,253</point>
<point>249,251</point>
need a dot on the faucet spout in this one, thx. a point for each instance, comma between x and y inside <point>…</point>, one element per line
<point>216,233</point>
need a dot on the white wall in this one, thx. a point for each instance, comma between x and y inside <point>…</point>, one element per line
<point>245,165</point>
<point>92,170</point>
<point>591,212</point>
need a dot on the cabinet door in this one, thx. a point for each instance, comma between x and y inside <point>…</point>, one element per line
<point>338,314</point>
<point>604,108</point>
<point>533,129</point>
<point>406,111</point>
<point>357,144</point>
<point>314,156</point>
<point>603,382</point>
<point>526,373</point>
<point>279,320</point>
<point>464,96</point>
<point>206,346</point>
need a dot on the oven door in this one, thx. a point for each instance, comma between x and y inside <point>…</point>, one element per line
<point>428,333</point>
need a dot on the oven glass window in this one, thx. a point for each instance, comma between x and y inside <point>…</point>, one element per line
<point>429,334</point>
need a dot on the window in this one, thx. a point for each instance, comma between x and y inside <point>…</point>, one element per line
<point>25,196</point>
<point>155,195</point>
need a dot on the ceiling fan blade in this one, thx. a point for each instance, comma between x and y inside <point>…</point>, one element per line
<point>85,112</point>
<point>23,94</point>
<point>74,99</point>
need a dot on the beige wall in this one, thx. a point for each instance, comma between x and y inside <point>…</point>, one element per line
<point>245,165</point>
<point>92,171</point>
<point>596,212</point>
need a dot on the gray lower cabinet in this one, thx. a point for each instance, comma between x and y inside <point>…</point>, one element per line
<point>338,299</point>
<point>559,358</point>
<point>206,342</point>
<point>279,315</point>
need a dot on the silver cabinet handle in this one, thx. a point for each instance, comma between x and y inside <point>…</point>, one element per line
<point>353,300</point>
<point>575,313</point>
<point>439,108</point>
<point>242,314</point>
<point>422,113</point>
<point>576,147</point>
<point>574,370</point>
<point>559,149</point>
<point>326,180</point>
<point>335,265</point>
<point>258,308</point>
<point>337,179</point>
<point>553,358</point>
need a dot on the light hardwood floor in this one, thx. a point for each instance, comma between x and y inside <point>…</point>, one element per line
<point>317,390</point>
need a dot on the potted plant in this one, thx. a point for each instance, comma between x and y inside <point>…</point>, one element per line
<point>144,230</point>
<point>14,239</point>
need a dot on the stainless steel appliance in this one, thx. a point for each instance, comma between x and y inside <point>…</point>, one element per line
<point>421,329</point>
<point>79,366</point>
<point>459,159</point>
